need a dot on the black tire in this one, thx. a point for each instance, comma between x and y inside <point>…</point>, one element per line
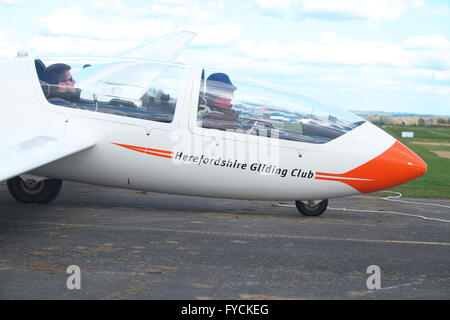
<point>312,210</point>
<point>41,192</point>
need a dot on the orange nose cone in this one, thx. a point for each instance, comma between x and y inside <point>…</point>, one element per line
<point>418,167</point>
<point>406,165</point>
<point>395,166</point>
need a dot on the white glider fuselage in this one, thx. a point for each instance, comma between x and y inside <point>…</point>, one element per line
<point>181,157</point>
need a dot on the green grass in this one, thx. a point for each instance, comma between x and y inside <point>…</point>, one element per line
<point>436,182</point>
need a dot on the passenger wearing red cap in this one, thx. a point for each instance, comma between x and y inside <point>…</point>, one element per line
<point>219,93</point>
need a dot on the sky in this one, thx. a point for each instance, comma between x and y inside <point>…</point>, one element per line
<point>384,55</point>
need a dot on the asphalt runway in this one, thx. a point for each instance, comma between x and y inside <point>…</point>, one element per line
<point>137,245</point>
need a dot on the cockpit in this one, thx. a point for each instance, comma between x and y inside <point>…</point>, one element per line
<point>126,88</point>
<point>150,91</point>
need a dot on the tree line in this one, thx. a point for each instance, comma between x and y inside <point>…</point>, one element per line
<point>381,120</point>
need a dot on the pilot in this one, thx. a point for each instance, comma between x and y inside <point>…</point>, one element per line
<point>219,93</point>
<point>63,91</point>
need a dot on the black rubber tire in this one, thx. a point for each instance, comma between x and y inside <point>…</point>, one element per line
<point>44,191</point>
<point>314,211</point>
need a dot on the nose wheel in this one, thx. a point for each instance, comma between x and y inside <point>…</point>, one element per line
<point>32,191</point>
<point>312,208</point>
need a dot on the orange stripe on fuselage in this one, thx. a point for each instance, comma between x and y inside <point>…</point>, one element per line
<point>153,152</point>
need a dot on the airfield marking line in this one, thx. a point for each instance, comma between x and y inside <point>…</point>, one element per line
<point>246,235</point>
<point>399,195</point>
<point>421,203</point>
<point>299,220</point>
<point>432,143</point>
<point>395,287</point>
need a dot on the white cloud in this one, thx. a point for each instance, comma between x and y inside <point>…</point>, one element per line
<point>437,10</point>
<point>10,2</point>
<point>427,74</point>
<point>274,4</point>
<point>109,6</point>
<point>167,10</point>
<point>8,45</point>
<point>330,38</point>
<point>192,10</point>
<point>332,49</point>
<point>67,23</point>
<point>374,10</point>
<point>175,2</point>
<point>217,35</point>
<point>5,35</point>
<point>75,46</point>
<point>329,49</point>
<point>57,21</point>
<point>271,50</point>
<point>219,5</point>
<point>342,9</point>
<point>71,22</point>
<point>435,90</point>
<point>432,42</point>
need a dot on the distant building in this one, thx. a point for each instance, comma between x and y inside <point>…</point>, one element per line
<point>407,134</point>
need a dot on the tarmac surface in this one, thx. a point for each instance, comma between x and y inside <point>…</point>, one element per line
<point>137,245</point>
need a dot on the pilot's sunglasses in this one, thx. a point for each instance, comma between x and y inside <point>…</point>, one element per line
<point>70,79</point>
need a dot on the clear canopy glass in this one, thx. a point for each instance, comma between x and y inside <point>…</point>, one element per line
<point>244,106</point>
<point>125,87</point>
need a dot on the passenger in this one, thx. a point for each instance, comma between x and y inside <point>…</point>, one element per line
<point>219,93</point>
<point>63,91</point>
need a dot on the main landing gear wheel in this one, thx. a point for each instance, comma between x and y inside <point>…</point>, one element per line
<point>312,208</point>
<point>32,191</point>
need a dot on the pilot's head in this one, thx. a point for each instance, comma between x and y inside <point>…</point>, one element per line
<point>59,74</point>
<point>220,90</point>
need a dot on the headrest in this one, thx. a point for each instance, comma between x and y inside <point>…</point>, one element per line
<point>40,68</point>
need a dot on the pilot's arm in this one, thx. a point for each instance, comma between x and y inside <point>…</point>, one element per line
<point>222,114</point>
